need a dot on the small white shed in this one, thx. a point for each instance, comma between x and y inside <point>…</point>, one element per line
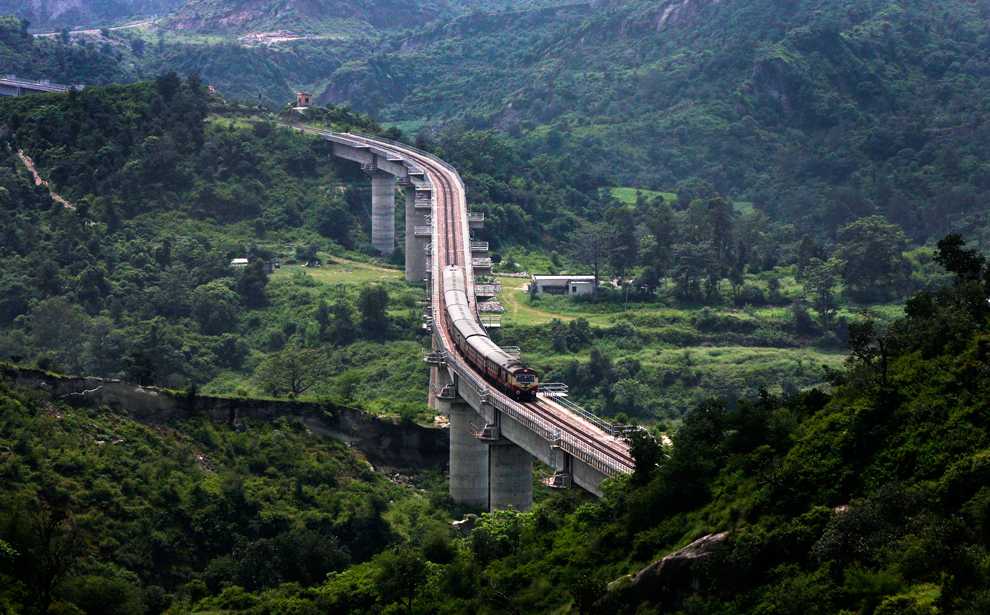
<point>571,285</point>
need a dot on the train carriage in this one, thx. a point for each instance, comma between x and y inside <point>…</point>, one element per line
<point>503,370</point>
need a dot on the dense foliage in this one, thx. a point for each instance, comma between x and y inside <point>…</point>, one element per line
<point>868,498</point>
<point>101,514</point>
<point>818,112</point>
<point>136,281</point>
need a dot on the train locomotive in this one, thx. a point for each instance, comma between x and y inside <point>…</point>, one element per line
<point>500,368</point>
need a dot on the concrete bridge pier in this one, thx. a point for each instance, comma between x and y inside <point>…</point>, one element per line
<point>511,476</point>
<point>415,246</point>
<point>469,457</point>
<point>383,212</point>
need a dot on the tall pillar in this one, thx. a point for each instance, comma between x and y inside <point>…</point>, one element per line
<point>383,212</point>
<point>415,256</point>
<point>468,458</point>
<point>511,477</point>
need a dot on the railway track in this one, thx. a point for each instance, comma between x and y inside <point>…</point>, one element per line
<point>450,240</point>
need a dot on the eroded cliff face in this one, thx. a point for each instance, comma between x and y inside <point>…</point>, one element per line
<point>387,444</point>
<point>241,16</point>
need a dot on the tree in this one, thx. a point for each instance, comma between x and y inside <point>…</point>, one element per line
<point>623,245</point>
<point>49,543</point>
<point>647,453</point>
<point>967,265</point>
<point>657,248</point>
<point>690,261</point>
<point>215,307</point>
<point>719,221</point>
<point>590,247</point>
<point>400,573</point>
<point>373,307</point>
<point>252,282</point>
<point>819,278</point>
<point>872,254</point>
<point>291,371</point>
<point>336,323</point>
<point>870,347</point>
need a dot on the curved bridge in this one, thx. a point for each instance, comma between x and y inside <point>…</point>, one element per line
<point>493,438</point>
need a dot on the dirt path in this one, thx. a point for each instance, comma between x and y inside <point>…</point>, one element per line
<point>39,181</point>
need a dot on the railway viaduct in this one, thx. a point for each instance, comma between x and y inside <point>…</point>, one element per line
<point>12,86</point>
<point>493,438</point>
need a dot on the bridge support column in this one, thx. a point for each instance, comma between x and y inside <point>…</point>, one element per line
<point>415,255</point>
<point>511,477</point>
<point>469,458</point>
<point>383,212</point>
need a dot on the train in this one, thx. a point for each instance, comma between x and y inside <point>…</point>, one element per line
<point>504,371</point>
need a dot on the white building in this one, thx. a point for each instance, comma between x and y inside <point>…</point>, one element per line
<point>571,285</point>
<point>239,263</point>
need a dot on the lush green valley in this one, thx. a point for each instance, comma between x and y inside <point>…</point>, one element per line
<point>870,497</point>
<point>773,193</point>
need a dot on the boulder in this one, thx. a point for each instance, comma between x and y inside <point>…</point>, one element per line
<point>669,580</point>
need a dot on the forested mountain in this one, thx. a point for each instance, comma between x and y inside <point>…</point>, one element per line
<point>73,13</point>
<point>31,58</point>
<point>819,112</point>
<point>135,280</point>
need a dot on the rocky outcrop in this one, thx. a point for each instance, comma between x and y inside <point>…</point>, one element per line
<point>387,444</point>
<point>668,581</point>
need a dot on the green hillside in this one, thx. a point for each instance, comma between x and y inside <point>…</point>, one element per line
<point>818,112</point>
<point>101,514</point>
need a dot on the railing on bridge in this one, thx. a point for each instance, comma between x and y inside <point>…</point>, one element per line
<point>479,246</point>
<point>542,428</point>
<point>481,263</point>
<point>486,290</point>
<point>423,231</point>
<point>553,389</point>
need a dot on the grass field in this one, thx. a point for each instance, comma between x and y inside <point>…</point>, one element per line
<point>336,270</point>
<point>627,195</point>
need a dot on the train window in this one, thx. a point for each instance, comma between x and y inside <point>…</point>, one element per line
<point>526,378</point>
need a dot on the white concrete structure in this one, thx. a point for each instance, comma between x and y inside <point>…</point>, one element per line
<point>571,285</point>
